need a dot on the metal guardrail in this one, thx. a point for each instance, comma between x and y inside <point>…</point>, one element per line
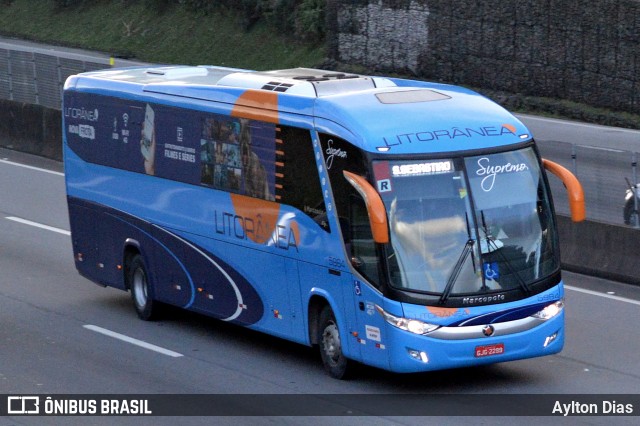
<point>605,174</point>
<point>37,78</point>
<point>35,74</point>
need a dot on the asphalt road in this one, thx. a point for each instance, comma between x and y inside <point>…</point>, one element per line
<point>52,325</point>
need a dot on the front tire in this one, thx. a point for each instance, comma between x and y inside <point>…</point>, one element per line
<point>138,282</point>
<point>330,343</point>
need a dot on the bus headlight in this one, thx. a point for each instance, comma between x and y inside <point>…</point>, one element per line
<point>412,325</point>
<point>550,311</point>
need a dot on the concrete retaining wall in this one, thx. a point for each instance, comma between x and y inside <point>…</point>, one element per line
<point>600,249</point>
<point>582,50</point>
<point>31,128</point>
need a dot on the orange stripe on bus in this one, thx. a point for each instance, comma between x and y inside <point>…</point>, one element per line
<point>257,105</point>
<point>263,216</point>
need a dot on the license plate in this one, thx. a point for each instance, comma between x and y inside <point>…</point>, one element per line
<point>489,350</point>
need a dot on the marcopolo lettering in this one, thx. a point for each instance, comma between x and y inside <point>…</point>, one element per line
<point>483,299</point>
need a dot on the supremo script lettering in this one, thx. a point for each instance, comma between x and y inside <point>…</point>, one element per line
<point>489,171</point>
<point>332,153</point>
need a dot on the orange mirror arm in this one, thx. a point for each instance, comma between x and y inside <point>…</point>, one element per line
<point>574,189</point>
<point>375,207</point>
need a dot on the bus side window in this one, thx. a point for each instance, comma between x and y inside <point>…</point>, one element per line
<point>359,240</point>
<point>360,248</point>
<point>300,183</point>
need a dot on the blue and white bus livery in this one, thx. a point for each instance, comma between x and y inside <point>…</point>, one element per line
<point>401,224</point>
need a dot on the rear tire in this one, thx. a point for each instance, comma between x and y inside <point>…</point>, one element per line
<point>138,282</point>
<point>330,343</point>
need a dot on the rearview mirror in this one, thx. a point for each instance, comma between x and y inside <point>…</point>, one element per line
<point>375,207</point>
<point>573,186</point>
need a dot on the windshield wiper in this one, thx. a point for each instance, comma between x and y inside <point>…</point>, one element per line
<point>457,269</point>
<point>473,257</point>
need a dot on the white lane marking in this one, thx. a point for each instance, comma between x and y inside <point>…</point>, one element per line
<point>4,161</point>
<point>133,341</point>
<point>606,296</point>
<point>38,225</point>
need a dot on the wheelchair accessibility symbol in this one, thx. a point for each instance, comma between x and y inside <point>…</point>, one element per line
<point>491,271</point>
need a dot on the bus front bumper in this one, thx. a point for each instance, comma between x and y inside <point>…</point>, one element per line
<point>415,353</point>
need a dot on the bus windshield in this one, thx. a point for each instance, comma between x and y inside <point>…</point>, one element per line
<point>466,226</point>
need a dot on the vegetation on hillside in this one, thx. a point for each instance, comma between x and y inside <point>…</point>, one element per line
<point>252,34</point>
<point>272,34</point>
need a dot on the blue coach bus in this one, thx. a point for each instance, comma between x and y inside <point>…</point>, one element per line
<point>401,224</point>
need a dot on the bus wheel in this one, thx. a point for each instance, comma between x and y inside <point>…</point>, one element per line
<point>330,344</point>
<point>138,282</point>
